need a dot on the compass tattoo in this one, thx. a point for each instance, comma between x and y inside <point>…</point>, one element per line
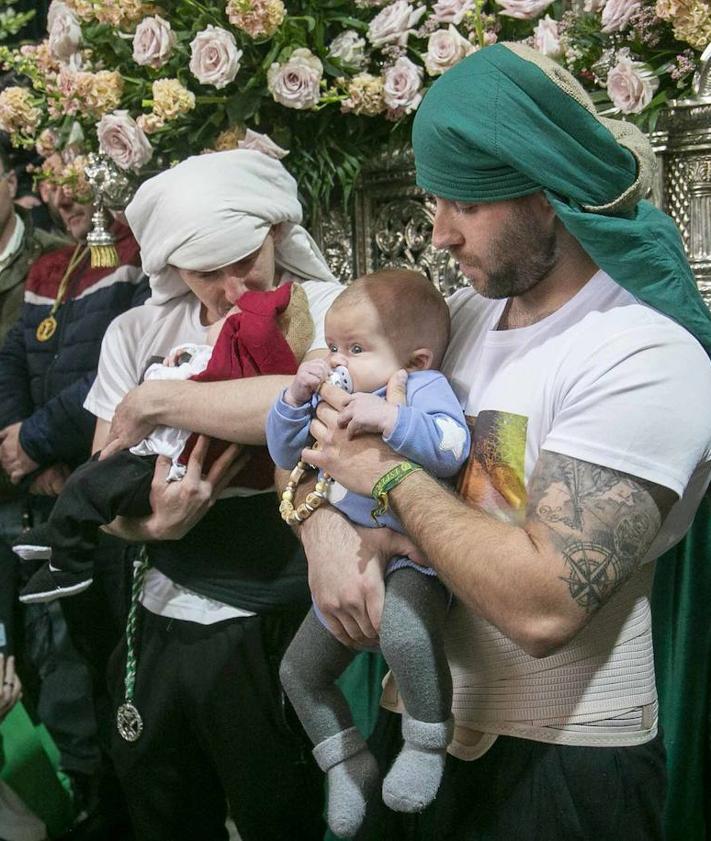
<point>601,521</point>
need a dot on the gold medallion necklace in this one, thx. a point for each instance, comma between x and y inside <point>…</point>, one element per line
<point>48,326</point>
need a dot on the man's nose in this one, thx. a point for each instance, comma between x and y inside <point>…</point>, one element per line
<point>445,232</point>
<point>233,287</point>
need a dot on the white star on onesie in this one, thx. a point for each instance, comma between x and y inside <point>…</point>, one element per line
<point>453,437</point>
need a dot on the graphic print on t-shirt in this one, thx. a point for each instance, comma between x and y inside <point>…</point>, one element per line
<point>493,477</point>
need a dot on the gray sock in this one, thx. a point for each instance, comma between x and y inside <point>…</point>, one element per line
<point>351,772</point>
<point>413,780</point>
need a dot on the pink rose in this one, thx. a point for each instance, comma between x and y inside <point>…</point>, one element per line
<point>153,42</point>
<point>545,37</point>
<point>617,13</point>
<point>64,31</point>
<point>296,83</point>
<point>445,48</point>
<point>214,57</point>
<point>394,24</point>
<point>631,85</point>
<point>402,89</point>
<point>451,11</point>
<point>261,143</point>
<point>523,9</point>
<point>349,49</point>
<point>123,141</point>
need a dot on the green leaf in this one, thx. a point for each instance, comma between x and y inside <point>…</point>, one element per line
<point>243,105</point>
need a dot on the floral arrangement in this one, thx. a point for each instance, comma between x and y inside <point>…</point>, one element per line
<point>331,81</point>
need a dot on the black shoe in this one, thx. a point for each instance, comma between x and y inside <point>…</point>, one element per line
<point>34,544</point>
<point>48,584</point>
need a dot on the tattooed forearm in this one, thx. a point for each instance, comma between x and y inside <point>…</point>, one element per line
<point>601,521</point>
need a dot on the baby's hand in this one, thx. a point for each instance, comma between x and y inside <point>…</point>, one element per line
<point>367,413</point>
<point>307,381</point>
<point>171,361</point>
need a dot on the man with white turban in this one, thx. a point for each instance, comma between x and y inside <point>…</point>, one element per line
<point>226,584</point>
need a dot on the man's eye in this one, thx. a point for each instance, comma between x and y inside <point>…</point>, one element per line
<point>463,207</point>
<point>356,349</point>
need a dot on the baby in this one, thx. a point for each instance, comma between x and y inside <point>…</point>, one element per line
<point>248,341</point>
<point>381,324</point>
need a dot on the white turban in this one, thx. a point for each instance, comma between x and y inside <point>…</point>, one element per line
<point>215,209</point>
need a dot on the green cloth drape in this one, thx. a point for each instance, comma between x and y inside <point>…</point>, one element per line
<point>30,769</point>
<point>681,611</point>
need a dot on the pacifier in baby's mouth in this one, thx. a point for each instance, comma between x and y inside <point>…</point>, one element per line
<point>341,378</point>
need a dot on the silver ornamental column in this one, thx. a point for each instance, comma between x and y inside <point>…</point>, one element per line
<point>683,145</point>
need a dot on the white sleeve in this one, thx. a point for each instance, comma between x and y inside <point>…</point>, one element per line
<point>320,294</point>
<point>117,373</point>
<point>639,405</point>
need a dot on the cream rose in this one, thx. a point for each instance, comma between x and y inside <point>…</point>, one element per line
<point>394,24</point>
<point>617,13</point>
<point>123,140</point>
<point>546,38</point>
<point>445,48</point>
<point>631,86</point>
<point>214,57</point>
<point>402,85</point>
<point>153,42</point>
<point>523,9</point>
<point>593,5</point>
<point>296,83</point>
<point>349,49</point>
<point>261,143</point>
<point>451,11</point>
<point>64,31</point>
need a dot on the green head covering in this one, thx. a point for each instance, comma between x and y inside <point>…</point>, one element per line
<point>507,122</point>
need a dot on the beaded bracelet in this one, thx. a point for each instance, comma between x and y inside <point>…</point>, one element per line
<point>294,516</point>
<point>387,482</point>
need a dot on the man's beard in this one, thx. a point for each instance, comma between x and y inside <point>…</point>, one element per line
<point>519,258</point>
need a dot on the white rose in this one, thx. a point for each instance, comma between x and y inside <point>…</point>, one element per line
<point>402,88</point>
<point>523,9</point>
<point>261,143</point>
<point>394,24</point>
<point>545,37</point>
<point>451,11</point>
<point>296,83</point>
<point>349,49</point>
<point>214,57</point>
<point>445,48</point>
<point>631,86</point>
<point>617,13</point>
<point>123,141</point>
<point>64,31</point>
<point>593,5</point>
<point>153,42</point>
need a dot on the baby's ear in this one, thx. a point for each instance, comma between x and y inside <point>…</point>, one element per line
<point>420,359</point>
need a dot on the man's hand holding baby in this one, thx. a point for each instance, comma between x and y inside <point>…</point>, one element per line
<point>307,381</point>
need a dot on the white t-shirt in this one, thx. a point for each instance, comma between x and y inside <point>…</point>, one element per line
<point>132,341</point>
<point>610,381</point>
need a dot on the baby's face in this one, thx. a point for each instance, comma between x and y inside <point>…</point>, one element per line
<point>355,339</point>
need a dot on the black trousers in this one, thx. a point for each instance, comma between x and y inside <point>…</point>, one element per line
<point>93,496</point>
<point>216,730</point>
<point>530,791</point>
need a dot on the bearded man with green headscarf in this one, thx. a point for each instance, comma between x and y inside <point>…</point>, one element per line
<point>580,354</point>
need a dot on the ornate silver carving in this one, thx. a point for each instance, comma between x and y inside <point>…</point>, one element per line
<point>334,236</point>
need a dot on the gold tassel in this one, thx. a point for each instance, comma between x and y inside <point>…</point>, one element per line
<point>103,256</point>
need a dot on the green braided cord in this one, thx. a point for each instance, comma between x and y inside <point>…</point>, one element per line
<point>139,574</point>
<point>387,482</point>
